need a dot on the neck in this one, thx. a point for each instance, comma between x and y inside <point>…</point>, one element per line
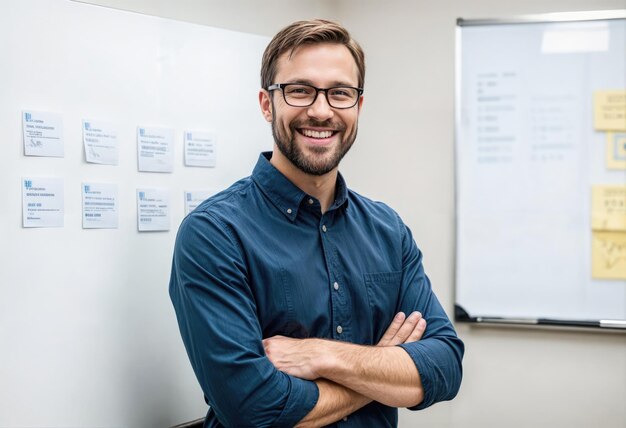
<point>321,187</point>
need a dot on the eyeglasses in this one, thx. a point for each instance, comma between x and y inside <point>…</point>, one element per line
<point>302,95</point>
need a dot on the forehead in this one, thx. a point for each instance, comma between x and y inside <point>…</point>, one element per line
<point>323,64</point>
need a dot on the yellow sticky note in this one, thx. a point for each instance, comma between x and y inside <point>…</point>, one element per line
<point>609,110</point>
<point>616,150</point>
<point>608,252</point>
<point>608,208</point>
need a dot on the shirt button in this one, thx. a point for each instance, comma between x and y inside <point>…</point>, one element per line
<point>289,211</point>
<point>339,329</point>
<point>324,227</point>
<point>310,201</point>
<point>345,419</point>
<point>336,286</point>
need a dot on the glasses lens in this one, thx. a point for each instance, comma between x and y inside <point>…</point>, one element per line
<point>342,97</point>
<point>299,95</point>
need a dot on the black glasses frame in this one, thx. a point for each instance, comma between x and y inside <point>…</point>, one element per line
<point>282,86</point>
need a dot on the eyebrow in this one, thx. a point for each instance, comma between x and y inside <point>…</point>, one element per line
<point>332,85</point>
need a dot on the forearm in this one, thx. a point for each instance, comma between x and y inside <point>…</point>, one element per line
<point>385,374</point>
<point>334,403</point>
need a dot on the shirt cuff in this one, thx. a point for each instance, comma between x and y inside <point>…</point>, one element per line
<point>303,396</point>
<point>424,368</point>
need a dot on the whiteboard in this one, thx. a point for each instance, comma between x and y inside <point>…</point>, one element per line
<point>527,156</point>
<point>88,336</point>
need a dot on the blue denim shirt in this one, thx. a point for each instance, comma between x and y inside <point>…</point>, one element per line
<point>260,259</point>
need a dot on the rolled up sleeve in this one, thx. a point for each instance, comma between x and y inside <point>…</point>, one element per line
<point>438,355</point>
<point>217,317</point>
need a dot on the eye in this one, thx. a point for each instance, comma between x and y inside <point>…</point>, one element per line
<point>299,90</point>
<point>342,92</point>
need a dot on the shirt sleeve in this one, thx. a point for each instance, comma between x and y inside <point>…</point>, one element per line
<point>216,313</point>
<point>438,355</point>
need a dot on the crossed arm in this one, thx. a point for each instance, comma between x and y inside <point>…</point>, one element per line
<point>267,383</point>
<point>350,376</point>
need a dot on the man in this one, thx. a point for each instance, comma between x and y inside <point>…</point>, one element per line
<point>290,289</point>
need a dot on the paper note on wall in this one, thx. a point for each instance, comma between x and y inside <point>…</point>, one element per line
<point>155,149</point>
<point>616,150</point>
<point>100,141</point>
<point>609,110</point>
<point>608,251</point>
<point>608,208</point>
<point>100,206</point>
<point>153,210</point>
<point>200,149</point>
<point>608,221</point>
<point>42,202</point>
<point>42,133</point>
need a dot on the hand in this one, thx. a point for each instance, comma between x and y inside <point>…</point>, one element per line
<point>296,357</point>
<point>404,330</point>
<point>302,357</point>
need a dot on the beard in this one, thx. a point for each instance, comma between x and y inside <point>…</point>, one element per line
<point>320,160</point>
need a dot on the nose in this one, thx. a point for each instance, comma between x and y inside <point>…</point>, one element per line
<point>320,109</point>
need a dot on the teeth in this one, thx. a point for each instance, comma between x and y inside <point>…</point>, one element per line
<point>316,134</point>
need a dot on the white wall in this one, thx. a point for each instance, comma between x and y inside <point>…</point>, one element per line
<point>88,335</point>
<point>404,156</point>
<point>249,16</point>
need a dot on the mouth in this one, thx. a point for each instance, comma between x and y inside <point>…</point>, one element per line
<point>317,136</point>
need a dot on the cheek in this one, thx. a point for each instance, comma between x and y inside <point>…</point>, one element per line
<point>283,127</point>
<point>285,122</point>
<point>350,121</point>
<point>293,119</point>
<point>350,115</point>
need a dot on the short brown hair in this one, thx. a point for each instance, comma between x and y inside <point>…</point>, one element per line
<point>305,33</point>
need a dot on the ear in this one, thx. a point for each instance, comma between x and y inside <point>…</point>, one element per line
<point>266,104</point>
<point>360,103</point>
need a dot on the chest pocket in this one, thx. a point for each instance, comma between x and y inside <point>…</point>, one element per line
<point>383,289</point>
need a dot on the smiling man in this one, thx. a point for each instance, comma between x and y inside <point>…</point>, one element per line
<point>290,289</point>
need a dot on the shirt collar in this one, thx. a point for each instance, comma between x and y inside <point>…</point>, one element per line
<point>285,195</point>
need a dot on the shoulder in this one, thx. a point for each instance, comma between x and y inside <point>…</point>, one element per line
<point>229,199</point>
<point>374,210</point>
<point>215,214</point>
<point>382,223</point>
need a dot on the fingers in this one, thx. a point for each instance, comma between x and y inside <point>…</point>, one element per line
<point>273,341</point>
<point>417,332</point>
<point>407,328</point>
<point>393,328</point>
<point>404,330</point>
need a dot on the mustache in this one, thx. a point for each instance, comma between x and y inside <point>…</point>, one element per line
<point>329,124</point>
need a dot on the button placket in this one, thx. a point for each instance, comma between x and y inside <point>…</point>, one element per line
<point>336,294</point>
